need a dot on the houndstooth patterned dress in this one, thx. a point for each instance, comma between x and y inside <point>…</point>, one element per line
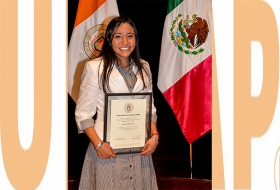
<point>126,171</point>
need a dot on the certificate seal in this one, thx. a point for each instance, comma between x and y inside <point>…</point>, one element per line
<point>128,107</point>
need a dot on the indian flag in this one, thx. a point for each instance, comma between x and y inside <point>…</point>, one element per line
<point>87,37</point>
<point>185,68</point>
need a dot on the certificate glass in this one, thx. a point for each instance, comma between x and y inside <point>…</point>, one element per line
<point>127,121</point>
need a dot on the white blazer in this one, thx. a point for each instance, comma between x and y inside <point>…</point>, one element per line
<point>91,96</point>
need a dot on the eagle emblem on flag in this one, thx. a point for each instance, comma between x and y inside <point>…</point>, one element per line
<point>189,34</point>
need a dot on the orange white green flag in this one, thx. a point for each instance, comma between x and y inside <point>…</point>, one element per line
<point>185,68</point>
<point>87,37</point>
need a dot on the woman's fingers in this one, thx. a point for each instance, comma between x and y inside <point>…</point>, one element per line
<point>149,150</point>
<point>113,155</point>
<point>149,147</point>
<point>106,152</point>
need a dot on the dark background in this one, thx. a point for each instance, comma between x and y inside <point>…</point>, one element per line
<point>172,156</point>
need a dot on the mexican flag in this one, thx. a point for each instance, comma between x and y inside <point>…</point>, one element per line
<point>185,68</point>
<point>87,37</point>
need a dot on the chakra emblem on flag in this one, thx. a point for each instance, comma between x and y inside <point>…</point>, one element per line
<point>94,40</point>
<point>189,34</point>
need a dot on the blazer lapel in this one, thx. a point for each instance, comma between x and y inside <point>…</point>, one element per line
<point>139,85</point>
<point>117,83</point>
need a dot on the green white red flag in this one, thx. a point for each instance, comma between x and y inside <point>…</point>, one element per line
<point>185,68</point>
<point>87,37</point>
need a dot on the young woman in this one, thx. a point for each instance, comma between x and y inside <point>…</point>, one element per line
<point>118,69</point>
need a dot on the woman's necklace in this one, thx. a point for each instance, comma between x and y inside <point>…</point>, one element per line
<point>125,67</point>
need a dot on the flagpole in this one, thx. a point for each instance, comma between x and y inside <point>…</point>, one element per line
<point>191,159</point>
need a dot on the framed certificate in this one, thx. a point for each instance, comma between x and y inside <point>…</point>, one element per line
<point>127,121</point>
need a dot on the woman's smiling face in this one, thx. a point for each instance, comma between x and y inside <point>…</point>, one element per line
<point>124,41</point>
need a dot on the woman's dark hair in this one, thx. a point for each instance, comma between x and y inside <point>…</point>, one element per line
<point>109,56</point>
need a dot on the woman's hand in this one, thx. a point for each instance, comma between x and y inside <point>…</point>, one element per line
<point>106,151</point>
<point>149,147</point>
